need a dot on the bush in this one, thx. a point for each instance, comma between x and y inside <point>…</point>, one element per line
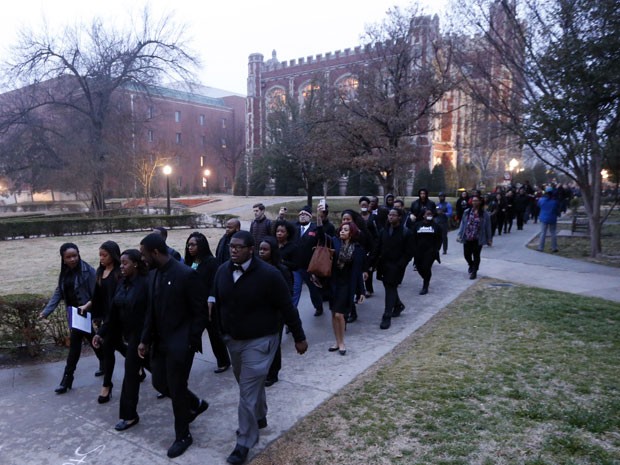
<point>19,322</point>
<point>79,225</point>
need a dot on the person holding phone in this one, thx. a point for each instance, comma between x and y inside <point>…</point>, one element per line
<point>76,285</point>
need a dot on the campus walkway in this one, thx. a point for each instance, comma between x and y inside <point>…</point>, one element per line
<point>39,427</point>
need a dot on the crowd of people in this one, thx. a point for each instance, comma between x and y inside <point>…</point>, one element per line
<point>153,304</point>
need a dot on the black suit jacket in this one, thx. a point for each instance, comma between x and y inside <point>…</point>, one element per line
<point>305,245</point>
<point>176,314</point>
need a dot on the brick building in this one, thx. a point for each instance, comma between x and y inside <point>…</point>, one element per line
<point>454,135</point>
<point>192,131</point>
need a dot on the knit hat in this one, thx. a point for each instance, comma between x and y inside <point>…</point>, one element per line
<point>306,210</point>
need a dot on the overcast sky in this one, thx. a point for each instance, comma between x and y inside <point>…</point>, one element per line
<point>226,32</point>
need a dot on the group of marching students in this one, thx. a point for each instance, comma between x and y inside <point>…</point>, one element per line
<point>372,242</point>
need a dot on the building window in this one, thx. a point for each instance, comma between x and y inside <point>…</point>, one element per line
<point>150,135</point>
<point>178,138</point>
<point>276,99</point>
<point>150,112</point>
<point>177,116</point>
<point>204,141</point>
<point>223,142</point>
<point>201,119</point>
<point>202,161</point>
<point>223,123</point>
<point>347,88</point>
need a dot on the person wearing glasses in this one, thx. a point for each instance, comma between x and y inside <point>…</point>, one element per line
<point>252,300</point>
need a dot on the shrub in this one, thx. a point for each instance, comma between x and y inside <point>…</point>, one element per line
<point>19,321</point>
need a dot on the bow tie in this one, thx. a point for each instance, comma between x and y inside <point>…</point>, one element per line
<point>237,267</point>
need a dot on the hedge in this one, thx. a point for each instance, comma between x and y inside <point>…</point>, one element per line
<point>20,325</point>
<point>61,226</point>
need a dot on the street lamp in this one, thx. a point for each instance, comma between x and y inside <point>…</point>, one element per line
<point>206,179</point>
<point>167,171</point>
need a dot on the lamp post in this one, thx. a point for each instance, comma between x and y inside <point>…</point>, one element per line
<point>167,171</point>
<point>207,174</point>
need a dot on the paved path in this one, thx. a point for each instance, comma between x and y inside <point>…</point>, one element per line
<point>39,427</point>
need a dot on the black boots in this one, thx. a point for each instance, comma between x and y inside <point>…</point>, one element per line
<point>65,384</point>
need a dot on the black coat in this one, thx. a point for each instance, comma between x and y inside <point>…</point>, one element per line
<point>128,309</point>
<point>305,245</point>
<point>392,254</point>
<point>177,314</point>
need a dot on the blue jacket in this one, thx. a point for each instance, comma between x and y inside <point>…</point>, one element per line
<point>549,209</point>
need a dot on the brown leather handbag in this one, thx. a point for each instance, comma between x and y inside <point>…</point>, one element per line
<point>321,262</point>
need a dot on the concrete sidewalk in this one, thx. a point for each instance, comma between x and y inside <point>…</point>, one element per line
<point>40,427</point>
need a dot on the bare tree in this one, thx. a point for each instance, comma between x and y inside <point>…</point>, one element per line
<point>546,71</point>
<point>146,167</point>
<point>79,72</point>
<point>302,138</point>
<point>391,114</point>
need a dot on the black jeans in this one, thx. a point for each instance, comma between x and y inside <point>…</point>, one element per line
<point>471,251</point>
<point>76,339</point>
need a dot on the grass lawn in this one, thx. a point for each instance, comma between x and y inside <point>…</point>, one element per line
<point>506,375</point>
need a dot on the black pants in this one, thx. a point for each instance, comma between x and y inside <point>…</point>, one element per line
<point>391,299</point>
<point>76,339</point>
<point>471,251</point>
<point>217,344</point>
<point>520,219</point>
<point>276,365</point>
<point>170,372</point>
<point>424,270</point>
<point>111,343</point>
<point>130,393</point>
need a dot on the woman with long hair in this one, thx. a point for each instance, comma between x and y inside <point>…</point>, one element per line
<point>126,317</point>
<point>108,276</point>
<point>198,256</point>
<point>76,285</point>
<point>347,280</point>
<point>474,232</point>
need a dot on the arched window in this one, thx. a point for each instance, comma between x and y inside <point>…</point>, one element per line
<point>307,90</point>
<point>347,87</point>
<point>276,98</point>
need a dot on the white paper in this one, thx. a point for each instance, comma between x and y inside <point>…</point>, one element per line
<point>83,323</point>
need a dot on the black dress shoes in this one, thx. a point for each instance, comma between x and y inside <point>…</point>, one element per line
<point>238,456</point>
<point>161,395</point>
<point>203,405</point>
<point>222,369</point>
<point>424,291</point>
<point>105,399</point>
<point>318,312</point>
<point>398,309</point>
<point>262,423</point>
<point>271,381</point>
<point>99,372</point>
<point>179,446</point>
<point>126,424</point>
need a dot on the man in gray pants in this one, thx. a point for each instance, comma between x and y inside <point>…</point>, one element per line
<point>251,298</point>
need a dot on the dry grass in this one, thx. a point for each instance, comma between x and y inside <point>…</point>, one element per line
<point>32,265</point>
